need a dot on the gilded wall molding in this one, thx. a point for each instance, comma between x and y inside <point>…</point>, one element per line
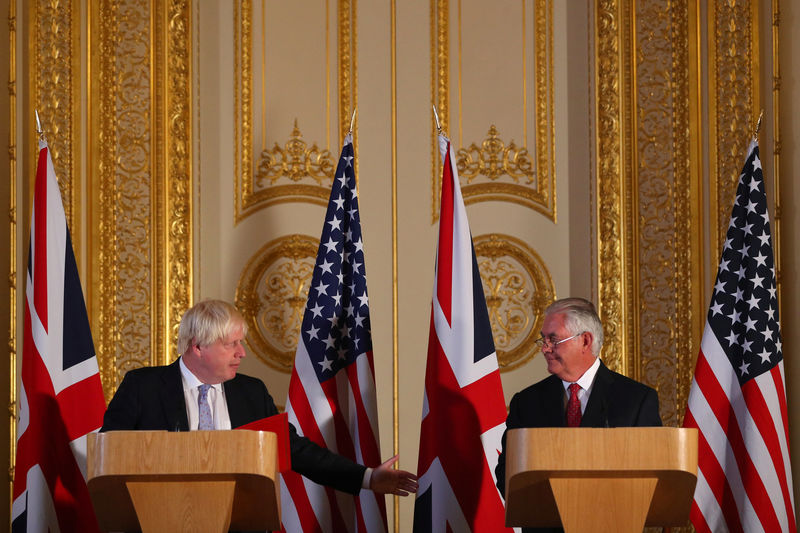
<point>612,139</point>
<point>481,182</point>
<point>272,293</point>
<point>668,226</point>
<point>13,286</point>
<point>175,213</point>
<point>102,281</point>
<point>140,281</point>
<point>54,81</point>
<point>283,175</point>
<point>518,287</point>
<point>734,102</point>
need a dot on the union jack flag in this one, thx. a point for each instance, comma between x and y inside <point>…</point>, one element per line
<point>464,411</point>
<point>332,387</point>
<point>738,396</point>
<point>60,396</point>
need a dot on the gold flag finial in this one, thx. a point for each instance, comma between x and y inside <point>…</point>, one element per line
<point>436,116</point>
<point>353,120</point>
<point>39,129</point>
<point>758,124</point>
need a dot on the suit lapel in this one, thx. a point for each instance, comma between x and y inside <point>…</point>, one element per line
<point>596,413</point>
<point>172,399</point>
<point>554,412</point>
<point>238,408</point>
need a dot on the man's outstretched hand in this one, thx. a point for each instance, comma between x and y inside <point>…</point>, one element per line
<point>387,480</point>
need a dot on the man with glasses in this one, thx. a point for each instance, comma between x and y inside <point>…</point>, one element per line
<point>581,390</point>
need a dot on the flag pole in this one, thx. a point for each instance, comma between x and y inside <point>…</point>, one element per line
<point>758,124</point>
<point>436,116</point>
<point>39,126</point>
<point>353,120</point>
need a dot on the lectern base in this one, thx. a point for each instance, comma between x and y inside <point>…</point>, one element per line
<point>206,505</point>
<point>617,504</point>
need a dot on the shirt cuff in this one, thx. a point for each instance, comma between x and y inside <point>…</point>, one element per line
<point>367,478</point>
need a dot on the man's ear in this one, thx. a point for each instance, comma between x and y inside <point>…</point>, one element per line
<point>195,348</point>
<point>588,339</point>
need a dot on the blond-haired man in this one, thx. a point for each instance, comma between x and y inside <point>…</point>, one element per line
<point>210,338</point>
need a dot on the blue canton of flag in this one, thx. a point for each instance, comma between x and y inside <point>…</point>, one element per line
<point>744,306</point>
<point>336,325</point>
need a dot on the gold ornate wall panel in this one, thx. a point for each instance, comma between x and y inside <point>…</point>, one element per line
<point>734,102</point>
<point>54,85</point>
<point>668,227</point>
<point>140,280</point>
<point>272,295</point>
<point>613,67</point>
<point>648,194</point>
<point>518,287</point>
<point>289,121</point>
<point>492,165</point>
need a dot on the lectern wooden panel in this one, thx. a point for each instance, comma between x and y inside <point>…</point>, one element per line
<point>600,479</point>
<point>189,481</point>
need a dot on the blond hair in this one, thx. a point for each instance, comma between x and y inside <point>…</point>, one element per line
<point>207,322</point>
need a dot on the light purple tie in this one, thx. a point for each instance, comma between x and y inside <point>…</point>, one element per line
<point>206,422</point>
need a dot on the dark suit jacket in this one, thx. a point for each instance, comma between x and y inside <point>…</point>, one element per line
<point>151,398</point>
<point>615,401</point>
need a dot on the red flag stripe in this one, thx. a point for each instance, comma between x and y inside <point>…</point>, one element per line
<point>716,482</point>
<point>751,481</point>
<point>444,259</point>
<point>762,416</point>
<point>40,289</point>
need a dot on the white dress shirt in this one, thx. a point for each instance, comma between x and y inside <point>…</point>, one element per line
<point>216,400</point>
<point>219,408</point>
<point>586,382</point>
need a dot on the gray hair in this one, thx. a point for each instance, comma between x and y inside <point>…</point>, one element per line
<point>207,322</point>
<point>579,315</point>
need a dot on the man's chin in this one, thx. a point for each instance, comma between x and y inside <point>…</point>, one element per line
<point>553,367</point>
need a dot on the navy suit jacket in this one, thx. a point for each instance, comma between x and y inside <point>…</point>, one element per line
<point>615,401</point>
<point>151,398</point>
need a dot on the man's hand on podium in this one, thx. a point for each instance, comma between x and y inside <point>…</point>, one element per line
<point>387,480</point>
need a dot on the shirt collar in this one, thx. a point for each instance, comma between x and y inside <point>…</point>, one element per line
<point>586,380</point>
<point>190,381</point>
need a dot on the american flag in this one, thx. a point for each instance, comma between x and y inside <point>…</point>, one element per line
<point>332,387</point>
<point>464,411</point>
<point>60,397</point>
<point>738,397</point>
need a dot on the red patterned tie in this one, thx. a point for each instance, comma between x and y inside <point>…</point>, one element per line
<point>574,406</point>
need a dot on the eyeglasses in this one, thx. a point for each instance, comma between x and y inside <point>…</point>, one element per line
<point>551,342</point>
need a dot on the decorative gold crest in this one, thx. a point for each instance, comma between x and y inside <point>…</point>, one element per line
<point>272,294</point>
<point>518,288</point>
<point>295,161</point>
<point>494,159</point>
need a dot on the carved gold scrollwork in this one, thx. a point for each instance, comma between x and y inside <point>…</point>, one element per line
<point>518,287</point>
<point>494,159</point>
<point>295,161</point>
<point>272,294</point>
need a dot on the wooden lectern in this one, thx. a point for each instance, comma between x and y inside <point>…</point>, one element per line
<point>600,479</point>
<point>189,481</point>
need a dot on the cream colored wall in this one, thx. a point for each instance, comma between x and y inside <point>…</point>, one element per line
<point>223,247</point>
